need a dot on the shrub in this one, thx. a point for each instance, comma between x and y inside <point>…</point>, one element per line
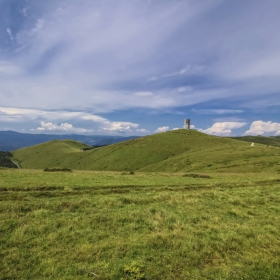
<point>6,154</point>
<point>86,149</point>
<point>57,170</point>
<point>197,176</point>
<point>5,160</point>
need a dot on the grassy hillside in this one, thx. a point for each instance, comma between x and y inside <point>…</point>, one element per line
<point>52,153</point>
<point>180,150</point>
<point>272,140</point>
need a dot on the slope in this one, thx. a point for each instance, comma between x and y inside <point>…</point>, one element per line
<point>271,140</point>
<point>174,151</point>
<point>48,154</point>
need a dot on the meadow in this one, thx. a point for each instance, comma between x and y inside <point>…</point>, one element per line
<point>120,225</point>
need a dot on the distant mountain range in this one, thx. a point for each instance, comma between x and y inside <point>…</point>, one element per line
<point>11,140</point>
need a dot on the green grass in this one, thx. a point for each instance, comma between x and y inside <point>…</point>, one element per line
<point>48,154</point>
<point>272,140</point>
<point>143,226</point>
<point>174,151</point>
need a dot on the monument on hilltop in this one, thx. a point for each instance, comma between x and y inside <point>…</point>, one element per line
<point>187,122</point>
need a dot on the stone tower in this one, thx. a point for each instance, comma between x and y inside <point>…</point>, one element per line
<point>187,122</point>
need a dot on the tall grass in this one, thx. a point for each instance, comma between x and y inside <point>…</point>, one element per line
<point>143,226</point>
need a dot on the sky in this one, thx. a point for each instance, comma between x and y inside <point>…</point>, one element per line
<point>138,67</point>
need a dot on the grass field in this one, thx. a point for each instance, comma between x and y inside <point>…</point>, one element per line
<point>272,140</point>
<point>117,225</point>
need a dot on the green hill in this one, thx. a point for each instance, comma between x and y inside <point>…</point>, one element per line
<point>271,141</point>
<point>52,153</point>
<point>173,151</point>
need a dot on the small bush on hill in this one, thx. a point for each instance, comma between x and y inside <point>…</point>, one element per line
<point>5,160</point>
<point>128,173</point>
<point>197,176</point>
<point>57,170</point>
<point>5,154</point>
<point>86,149</point>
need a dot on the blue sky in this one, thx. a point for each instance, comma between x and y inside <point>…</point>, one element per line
<point>137,67</point>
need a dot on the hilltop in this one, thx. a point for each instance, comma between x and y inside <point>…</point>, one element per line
<point>173,151</point>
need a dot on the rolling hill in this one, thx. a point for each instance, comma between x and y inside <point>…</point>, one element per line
<point>173,151</point>
<point>271,141</point>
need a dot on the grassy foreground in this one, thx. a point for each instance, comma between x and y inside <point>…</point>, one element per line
<point>113,225</point>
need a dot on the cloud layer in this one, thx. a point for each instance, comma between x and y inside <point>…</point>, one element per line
<point>93,123</point>
<point>100,53</point>
<point>152,57</point>
<point>260,128</point>
<point>223,128</point>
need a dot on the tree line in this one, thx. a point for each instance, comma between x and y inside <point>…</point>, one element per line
<point>5,160</point>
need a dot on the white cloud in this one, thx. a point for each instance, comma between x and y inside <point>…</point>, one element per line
<point>260,128</point>
<point>191,127</point>
<point>152,79</point>
<point>223,128</point>
<point>217,111</point>
<point>24,11</point>
<point>50,119</point>
<point>7,68</point>
<point>143,93</point>
<point>268,65</point>
<point>162,129</point>
<point>120,127</point>
<point>183,89</point>
<point>33,114</point>
<point>10,34</point>
<point>228,119</point>
<point>177,73</point>
<point>21,115</point>
<point>39,25</point>
<point>51,45</point>
<point>49,126</point>
<point>189,70</point>
<point>94,118</point>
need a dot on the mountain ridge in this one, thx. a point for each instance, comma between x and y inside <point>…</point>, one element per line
<point>173,151</point>
<point>12,140</point>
